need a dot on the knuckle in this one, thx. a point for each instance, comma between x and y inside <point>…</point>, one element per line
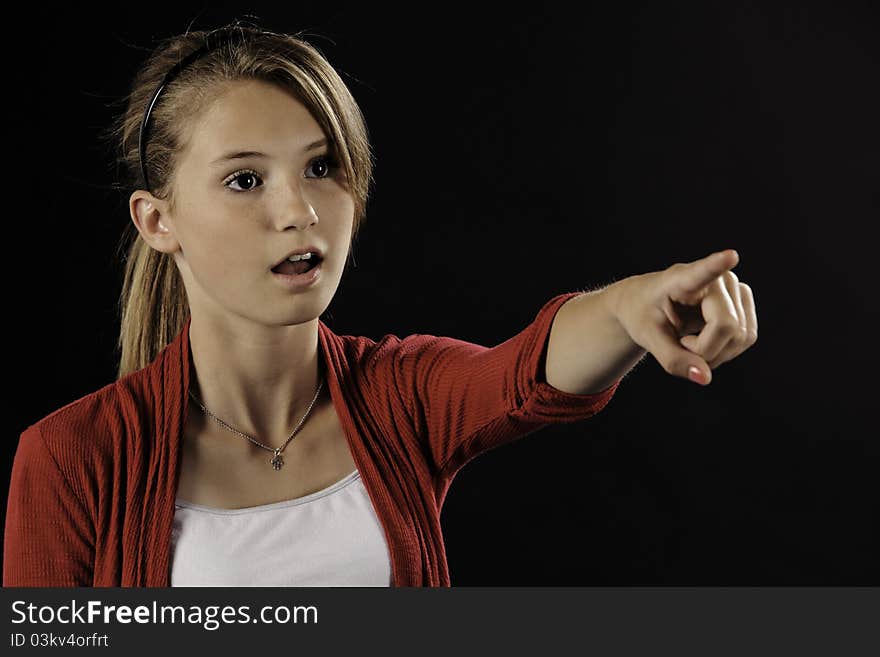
<point>730,326</point>
<point>752,336</point>
<point>730,275</point>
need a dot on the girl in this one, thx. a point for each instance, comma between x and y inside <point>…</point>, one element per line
<point>245,443</point>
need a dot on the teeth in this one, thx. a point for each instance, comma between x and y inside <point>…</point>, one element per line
<point>304,256</point>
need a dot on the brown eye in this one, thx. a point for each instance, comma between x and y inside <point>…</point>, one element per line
<point>324,164</point>
<point>247,177</point>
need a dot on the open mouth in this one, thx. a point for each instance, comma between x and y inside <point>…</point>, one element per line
<point>289,268</point>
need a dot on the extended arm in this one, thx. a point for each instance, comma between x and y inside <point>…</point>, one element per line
<point>588,348</point>
<point>691,317</point>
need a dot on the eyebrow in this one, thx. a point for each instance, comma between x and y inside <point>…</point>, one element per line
<point>240,155</point>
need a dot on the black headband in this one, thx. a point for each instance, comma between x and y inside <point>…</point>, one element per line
<point>212,40</point>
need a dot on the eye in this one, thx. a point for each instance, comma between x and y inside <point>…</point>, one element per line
<point>328,164</point>
<point>245,174</point>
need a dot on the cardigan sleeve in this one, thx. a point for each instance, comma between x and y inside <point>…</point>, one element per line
<point>49,536</point>
<point>464,398</point>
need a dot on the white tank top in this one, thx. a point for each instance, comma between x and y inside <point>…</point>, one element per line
<point>331,537</point>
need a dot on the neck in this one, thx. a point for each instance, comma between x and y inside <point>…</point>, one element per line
<point>258,379</point>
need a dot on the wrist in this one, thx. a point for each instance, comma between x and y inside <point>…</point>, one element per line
<point>613,295</point>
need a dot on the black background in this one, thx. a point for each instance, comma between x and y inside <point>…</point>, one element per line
<point>616,140</point>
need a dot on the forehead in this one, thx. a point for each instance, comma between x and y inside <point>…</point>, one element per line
<point>253,115</point>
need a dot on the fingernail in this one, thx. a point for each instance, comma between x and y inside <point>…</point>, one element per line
<point>695,375</point>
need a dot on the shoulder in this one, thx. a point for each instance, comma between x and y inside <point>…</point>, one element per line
<point>360,354</point>
<point>93,427</point>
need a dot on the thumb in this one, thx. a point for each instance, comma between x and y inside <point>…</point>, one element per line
<point>677,358</point>
<point>705,372</point>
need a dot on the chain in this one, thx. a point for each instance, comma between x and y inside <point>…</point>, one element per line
<point>277,461</point>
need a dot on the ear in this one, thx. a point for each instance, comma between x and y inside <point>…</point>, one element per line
<point>153,222</point>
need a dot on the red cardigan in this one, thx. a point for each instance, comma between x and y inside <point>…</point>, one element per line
<point>91,498</point>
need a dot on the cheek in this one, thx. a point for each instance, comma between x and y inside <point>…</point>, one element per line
<point>344,221</point>
<point>334,229</point>
<point>221,258</point>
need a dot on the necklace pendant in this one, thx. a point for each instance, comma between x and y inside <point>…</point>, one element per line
<point>277,460</point>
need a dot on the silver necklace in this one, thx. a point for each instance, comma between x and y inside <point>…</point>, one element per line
<point>277,461</point>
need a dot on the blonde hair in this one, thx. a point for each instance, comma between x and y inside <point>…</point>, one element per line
<point>153,306</point>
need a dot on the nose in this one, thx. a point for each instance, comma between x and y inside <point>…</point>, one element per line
<point>295,210</point>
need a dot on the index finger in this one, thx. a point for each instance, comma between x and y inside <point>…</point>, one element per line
<point>696,275</point>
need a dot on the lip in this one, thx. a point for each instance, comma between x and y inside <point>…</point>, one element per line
<point>299,281</point>
<point>305,249</point>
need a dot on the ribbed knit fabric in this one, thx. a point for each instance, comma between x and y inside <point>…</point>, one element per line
<point>91,499</point>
